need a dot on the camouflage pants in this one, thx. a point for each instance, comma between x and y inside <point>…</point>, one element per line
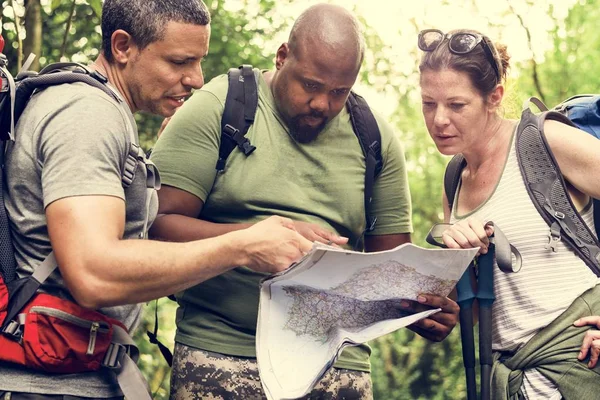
<point>199,374</point>
<point>34,396</point>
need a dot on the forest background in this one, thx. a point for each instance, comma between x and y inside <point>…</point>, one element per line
<point>555,48</point>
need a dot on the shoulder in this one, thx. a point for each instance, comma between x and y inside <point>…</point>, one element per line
<point>77,102</point>
<point>563,137</point>
<point>82,116</point>
<point>216,89</point>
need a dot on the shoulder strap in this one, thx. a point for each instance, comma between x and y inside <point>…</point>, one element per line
<point>452,177</point>
<point>238,114</point>
<point>367,131</point>
<point>597,217</point>
<point>547,190</point>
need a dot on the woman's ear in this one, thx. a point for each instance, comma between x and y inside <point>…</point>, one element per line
<point>495,98</point>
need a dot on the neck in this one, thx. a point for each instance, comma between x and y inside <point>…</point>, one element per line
<point>494,146</point>
<point>268,77</point>
<point>112,72</point>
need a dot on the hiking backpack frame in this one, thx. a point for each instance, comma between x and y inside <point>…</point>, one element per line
<point>18,295</point>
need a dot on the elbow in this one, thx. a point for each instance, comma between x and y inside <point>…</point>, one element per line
<point>89,295</point>
<point>88,290</point>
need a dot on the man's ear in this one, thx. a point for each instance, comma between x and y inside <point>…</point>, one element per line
<point>122,46</point>
<point>282,54</point>
<point>495,98</point>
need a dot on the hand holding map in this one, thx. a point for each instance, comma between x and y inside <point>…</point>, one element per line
<point>334,298</point>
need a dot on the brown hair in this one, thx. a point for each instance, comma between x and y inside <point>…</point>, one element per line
<point>475,63</point>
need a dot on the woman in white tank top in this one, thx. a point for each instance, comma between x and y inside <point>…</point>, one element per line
<point>462,76</point>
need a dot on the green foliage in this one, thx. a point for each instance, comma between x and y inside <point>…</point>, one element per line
<point>405,366</point>
<point>568,68</point>
<point>152,363</point>
<point>238,37</point>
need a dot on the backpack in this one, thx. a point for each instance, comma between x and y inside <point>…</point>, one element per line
<point>38,330</point>
<point>238,115</point>
<point>543,179</point>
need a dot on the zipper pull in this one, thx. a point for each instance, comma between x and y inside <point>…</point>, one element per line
<point>93,334</point>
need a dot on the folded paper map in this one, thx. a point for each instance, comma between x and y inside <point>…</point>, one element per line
<point>333,298</point>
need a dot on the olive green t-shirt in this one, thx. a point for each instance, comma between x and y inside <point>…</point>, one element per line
<point>320,182</point>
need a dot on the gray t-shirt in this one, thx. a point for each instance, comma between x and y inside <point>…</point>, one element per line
<point>72,140</point>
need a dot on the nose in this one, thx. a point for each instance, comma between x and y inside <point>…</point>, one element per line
<point>320,103</point>
<point>194,78</point>
<point>440,118</point>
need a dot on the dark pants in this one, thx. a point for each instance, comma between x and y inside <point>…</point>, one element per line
<point>34,396</point>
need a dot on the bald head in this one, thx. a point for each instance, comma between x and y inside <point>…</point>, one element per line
<point>327,30</point>
<point>316,69</point>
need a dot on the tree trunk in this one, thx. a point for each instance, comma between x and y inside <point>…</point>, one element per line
<point>33,27</point>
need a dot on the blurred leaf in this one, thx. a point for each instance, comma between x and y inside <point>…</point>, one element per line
<point>96,6</point>
<point>54,5</point>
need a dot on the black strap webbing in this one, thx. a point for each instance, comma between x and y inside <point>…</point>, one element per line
<point>452,177</point>
<point>239,112</point>
<point>153,338</point>
<point>366,129</point>
<point>238,115</point>
<point>8,263</point>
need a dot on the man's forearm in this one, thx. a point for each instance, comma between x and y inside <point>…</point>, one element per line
<point>181,228</point>
<point>121,276</point>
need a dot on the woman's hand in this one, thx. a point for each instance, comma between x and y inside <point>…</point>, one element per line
<point>468,233</point>
<point>591,341</point>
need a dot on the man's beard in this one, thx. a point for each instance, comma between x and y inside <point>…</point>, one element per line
<point>303,133</point>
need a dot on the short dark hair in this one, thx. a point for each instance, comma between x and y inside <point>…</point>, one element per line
<point>145,20</point>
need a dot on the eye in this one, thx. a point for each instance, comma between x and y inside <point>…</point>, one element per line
<point>428,104</point>
<point>457,106</point>
<point>310,86</point>
<point>179,62</point>
<point>339,92</point>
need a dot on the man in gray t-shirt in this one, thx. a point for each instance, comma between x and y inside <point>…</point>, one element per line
<point>65,193</point>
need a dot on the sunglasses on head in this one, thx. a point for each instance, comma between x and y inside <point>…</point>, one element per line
<point>458,43</point>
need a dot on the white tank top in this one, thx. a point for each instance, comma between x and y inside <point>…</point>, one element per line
<point>547,283</point>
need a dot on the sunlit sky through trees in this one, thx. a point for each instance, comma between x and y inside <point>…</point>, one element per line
<point>398,22</point>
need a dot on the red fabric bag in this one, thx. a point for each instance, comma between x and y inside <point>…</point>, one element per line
<point>56,335</point>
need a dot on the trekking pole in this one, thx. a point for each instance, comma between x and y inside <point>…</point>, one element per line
<point>465,297</point>
<point>485,298</point>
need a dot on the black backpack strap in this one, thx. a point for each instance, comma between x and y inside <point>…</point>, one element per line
<point>366,129</point>
<point>547,189</point>
<point>238,114</point>
<point>27,86</point>
<point>452,177</point>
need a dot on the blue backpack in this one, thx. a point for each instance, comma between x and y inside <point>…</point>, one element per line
<point>584,111</point>
<point>543,180</point>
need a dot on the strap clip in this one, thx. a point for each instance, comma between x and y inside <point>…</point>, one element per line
<point>242,142</point>
<point>114,355</point>
<point>553,237</point>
